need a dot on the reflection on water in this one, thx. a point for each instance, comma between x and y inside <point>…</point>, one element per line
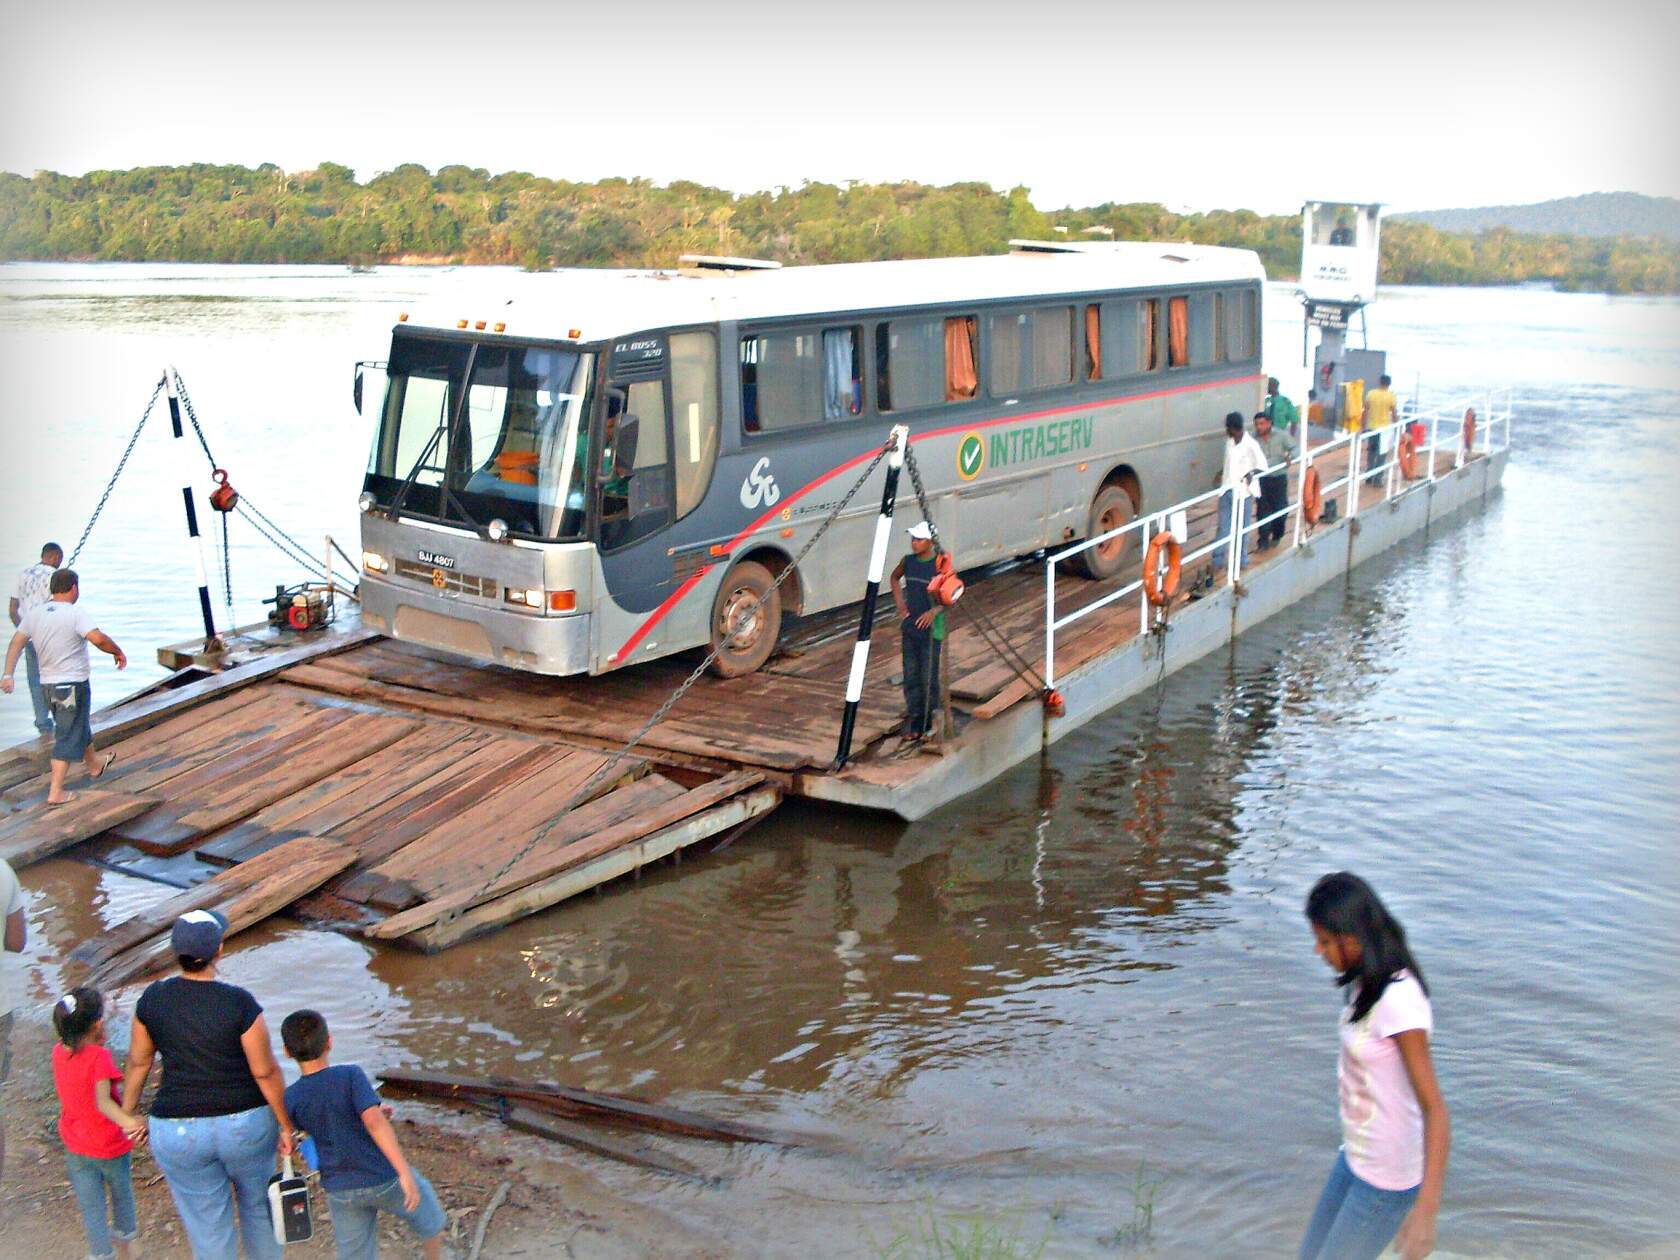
<point>1099,961</point>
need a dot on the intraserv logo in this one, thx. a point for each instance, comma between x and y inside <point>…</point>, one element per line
<point>1039,441</point>
<point>971,456</point>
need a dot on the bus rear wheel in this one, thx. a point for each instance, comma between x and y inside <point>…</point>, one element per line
<point>1111,509</point>
<point>746,620</point>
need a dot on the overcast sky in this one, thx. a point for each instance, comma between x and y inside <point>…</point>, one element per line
<point>1195,104</point>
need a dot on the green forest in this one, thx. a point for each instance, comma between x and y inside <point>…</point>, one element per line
<point>238,214</point>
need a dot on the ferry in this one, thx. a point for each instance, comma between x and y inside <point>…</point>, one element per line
<point>577,501</point>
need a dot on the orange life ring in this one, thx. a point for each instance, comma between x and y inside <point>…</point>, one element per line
<point>1407,454</point>
<point>1158,588</point>
<point>1312,497</point>
<point>1470,431</point>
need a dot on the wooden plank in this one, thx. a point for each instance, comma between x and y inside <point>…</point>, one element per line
<point>280,769</point>
<point>574,841</point>
<point>300,866</point>
<point>728,817</point>
<point>38,832</point>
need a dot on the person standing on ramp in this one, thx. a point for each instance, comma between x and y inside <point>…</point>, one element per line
<point>922,630</point>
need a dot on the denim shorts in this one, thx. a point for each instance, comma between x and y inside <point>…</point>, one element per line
<point>71,704</point>
<point>355,1216</point>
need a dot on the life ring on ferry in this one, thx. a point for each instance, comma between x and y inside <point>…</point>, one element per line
<point>1159,587</point>
<point>1469,431</point>
<point>1406,453</point>
<point>1312,497</point>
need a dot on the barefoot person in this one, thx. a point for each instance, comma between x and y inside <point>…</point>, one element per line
<point>1386,1182</point>
<point>59,632</point>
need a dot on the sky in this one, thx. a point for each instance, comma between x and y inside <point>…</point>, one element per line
<point>1198,105</point>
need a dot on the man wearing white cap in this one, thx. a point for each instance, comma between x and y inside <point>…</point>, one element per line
<point>922,629</point>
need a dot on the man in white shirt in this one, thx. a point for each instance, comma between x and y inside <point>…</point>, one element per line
<point>59,632</point>
<point>1240,480</point>
<point>16,933</point>
<point>30,590</point>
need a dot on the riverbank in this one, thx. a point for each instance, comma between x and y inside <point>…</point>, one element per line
<point>553,1207</point>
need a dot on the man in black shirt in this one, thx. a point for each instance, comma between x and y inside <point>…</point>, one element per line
<point>920,634</point>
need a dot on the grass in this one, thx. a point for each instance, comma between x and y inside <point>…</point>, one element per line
<point>1141,1228</point>
<point>930,1237</point>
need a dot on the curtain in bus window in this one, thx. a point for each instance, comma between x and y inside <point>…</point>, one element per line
<point>1093,343</point>
<point>842,380</point>
<point>1178,332</point>
<point>960,378</point>
<point>1149,324</point>
<point>1052,347</point>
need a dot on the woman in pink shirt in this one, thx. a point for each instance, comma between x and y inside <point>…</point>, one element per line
<point>1386,1182</point>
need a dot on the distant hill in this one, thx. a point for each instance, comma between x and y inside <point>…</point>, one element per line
<point>1596,214</point>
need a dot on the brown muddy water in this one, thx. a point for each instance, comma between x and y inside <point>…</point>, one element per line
<point>1096,968</point>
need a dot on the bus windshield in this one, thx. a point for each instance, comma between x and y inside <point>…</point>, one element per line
<point>474,432</point>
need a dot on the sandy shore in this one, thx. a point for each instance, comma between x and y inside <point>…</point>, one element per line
<point>553,1208</point>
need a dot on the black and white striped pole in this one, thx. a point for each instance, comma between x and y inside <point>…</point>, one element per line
<point>195,539</point>
<point>899,440</point>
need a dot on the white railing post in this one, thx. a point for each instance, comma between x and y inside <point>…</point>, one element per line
<point>1301,493</point>
<point>1050,621</point>
<point>1143,594</point>
<point>1434,441</point>
<point>1356,444</point>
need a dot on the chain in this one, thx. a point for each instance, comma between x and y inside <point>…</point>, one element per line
<point>227,562</point>
<point>255,516</point>
<point>994,637</point>
<point>121,464</point>
<point>601,775</point>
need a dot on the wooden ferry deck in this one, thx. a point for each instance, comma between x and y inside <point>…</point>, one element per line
<point>380,788</point>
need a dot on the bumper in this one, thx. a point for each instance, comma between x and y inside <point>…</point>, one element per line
<point>541,645</point>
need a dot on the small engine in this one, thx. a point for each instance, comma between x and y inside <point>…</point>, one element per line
<point>305,607</point>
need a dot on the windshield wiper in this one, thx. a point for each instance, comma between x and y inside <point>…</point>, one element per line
<point>453,429</point>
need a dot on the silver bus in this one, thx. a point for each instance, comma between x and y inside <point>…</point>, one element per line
<point>608,467</point>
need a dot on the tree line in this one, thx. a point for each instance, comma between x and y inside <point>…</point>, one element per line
<point>239,214</point>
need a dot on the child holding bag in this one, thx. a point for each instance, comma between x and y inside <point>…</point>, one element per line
<point>98,1134</point>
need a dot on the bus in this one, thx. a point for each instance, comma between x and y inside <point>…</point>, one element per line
<point>608,467</point>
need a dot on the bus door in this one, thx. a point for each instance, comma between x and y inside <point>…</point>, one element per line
<point>633,493</point>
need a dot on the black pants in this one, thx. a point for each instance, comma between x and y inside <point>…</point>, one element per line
<point>1274,497</point>
<point>921,679</point>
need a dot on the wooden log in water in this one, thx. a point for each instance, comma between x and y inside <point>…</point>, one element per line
<point>583,1104</point>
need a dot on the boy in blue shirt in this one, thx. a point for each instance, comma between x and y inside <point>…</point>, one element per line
<point>362,1167</point>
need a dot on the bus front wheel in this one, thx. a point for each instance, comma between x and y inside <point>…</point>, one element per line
<point>746,620</point>
<point>1111,509</point>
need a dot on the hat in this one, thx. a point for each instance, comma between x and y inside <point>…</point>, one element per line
<point>922,530</point>
<point>198,933</point>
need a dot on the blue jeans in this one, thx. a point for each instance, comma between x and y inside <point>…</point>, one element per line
<point>72,708</point>
<point>91,1179</point>
<point>355,1216</point>
<point>209,1162</point>
<point>32,671</point>
<point>1222,556</point>
<point>1354,1220</point>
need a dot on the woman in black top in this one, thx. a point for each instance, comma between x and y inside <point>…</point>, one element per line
<point>220,1114</point>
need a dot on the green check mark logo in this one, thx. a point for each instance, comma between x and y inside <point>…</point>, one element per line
<point>971,456</point>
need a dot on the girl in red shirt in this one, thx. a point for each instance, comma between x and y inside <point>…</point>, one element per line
<point>98,1134</point>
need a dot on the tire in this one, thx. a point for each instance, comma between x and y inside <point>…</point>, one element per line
<point>746,582</point>
<point>1111,509</point>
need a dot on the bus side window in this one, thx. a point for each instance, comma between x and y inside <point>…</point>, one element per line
<point>694,415</point>
<point>635,474</point>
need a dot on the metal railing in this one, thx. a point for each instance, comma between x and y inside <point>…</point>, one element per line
<point>1445,427</point>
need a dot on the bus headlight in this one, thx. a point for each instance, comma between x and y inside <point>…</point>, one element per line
<point>524,597</point>
<point>366,501</point>
<point>373,562</point>
<point>496,529</point>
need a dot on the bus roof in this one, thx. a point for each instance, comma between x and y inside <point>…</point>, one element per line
<point>596,304</point>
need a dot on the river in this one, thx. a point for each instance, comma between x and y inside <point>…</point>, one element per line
<point>1096,969</point>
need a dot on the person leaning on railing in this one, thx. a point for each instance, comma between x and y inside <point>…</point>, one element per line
<point>1277,446</point>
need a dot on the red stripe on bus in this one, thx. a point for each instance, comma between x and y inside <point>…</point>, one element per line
<point>658,614</point>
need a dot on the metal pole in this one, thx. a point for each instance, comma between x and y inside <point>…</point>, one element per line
<point>899,439</point>
<point>196,540</point>
<point>1356,443</point>
<point>1143,591</point>
<point>1301,491</point>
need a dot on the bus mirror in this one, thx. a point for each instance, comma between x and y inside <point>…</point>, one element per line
<point>356,390</point>
<point>624,446</point>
